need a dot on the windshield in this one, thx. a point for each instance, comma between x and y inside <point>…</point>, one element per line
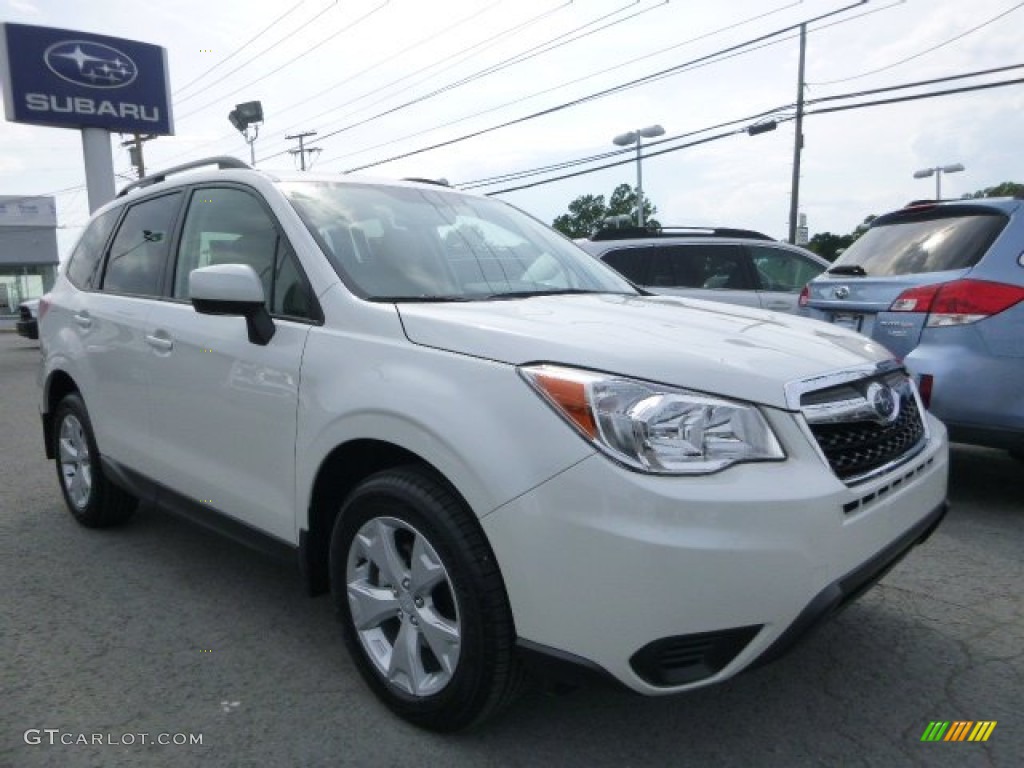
<point>396,243</point>
<point>910,246</point>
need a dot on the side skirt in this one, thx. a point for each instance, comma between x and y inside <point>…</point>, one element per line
<point>200,514</point>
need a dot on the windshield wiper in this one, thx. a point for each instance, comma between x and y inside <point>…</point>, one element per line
<point>420,299</point>
<point>856,270</point>
<point>531,294</point>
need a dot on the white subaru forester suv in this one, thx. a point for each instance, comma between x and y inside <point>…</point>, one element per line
<point>493,451</point>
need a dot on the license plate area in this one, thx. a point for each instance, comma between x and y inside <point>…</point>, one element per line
<point>849,320</point>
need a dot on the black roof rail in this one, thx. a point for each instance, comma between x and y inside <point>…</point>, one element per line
<point>437,182</point>
<point>221,161</point>
<point>629,233</point>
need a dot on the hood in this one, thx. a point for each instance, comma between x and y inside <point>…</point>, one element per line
<point>721,349</point>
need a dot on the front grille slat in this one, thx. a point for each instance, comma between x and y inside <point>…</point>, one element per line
<point>855,447</point>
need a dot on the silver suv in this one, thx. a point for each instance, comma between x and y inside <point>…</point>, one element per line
<point>735,266</point>
<point>941,286</point>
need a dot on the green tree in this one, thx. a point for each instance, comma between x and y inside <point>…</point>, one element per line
<point>587,212</point>
<point>1005,189</point>
<point>584,218</point>
<point>828,245</point>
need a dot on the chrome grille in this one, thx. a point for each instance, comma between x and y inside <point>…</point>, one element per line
<point>866,425</point>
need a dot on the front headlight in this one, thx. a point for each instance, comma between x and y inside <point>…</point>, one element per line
<point>654,428</point>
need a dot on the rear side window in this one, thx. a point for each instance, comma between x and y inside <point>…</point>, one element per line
<point>83,270</point>
<point>631,263</point>
<point>910,246</point>
<point>781,270</point>
<point>138,255</point>
<point>701,266</point>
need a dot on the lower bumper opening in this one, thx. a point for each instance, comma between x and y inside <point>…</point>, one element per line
<point>688,658</point>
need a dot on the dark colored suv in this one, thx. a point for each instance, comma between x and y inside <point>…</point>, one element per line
<point>941,285</point>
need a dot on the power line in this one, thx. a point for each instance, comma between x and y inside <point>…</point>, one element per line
<point>917,96</point>
<point>512,61</point>
<point>433,36</point>
<point>593,96</point>
<point>498,107</point>
<point>394,82</point>
<point>295,58</point>
<point>239,49</point>
<point>562,85</point>
<point>932,81</point>
<point>512,176</point>
<point>627,161</point>
<point>926,51</point>
<point>823,110</point>
<point>248,61</point>
<point>465,53</point>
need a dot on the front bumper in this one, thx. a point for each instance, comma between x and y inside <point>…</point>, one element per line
<point>713,573</point>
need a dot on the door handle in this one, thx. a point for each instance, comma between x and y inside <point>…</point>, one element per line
<point>161,343</point>
<point>83,320</point>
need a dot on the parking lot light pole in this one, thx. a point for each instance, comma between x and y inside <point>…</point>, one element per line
<point>634,137</point>
<point>246,116</point>
<point>937,171</point>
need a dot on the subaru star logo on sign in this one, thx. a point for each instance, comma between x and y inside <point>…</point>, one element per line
<point>90,64</point>
<point>71,79</point>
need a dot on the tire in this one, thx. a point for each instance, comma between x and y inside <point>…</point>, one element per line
<point>435,643</point>
<point>92,499</point>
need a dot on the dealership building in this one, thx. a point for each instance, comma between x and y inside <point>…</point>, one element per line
<point>28,249</point>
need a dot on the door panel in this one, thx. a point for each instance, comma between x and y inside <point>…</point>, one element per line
<point>115,386</point>
<point>224,414</point>
<point>224,409</point>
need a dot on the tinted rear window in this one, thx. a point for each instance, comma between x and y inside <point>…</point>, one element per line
<point>908,244</point>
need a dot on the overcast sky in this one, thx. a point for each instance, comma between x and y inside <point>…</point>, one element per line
<point>392,77</point>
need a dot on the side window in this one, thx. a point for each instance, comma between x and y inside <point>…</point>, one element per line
<point>226,226</point>
<point>86,259</point>
<point>714,266</point>
<point>139,252</point>
<point>676,267</point>
<point>291,293</point>
<point>631,263</point>
<point>779,270</point>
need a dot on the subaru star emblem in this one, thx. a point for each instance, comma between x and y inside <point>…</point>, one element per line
<point>841,292</point>
<point>93,65</point>
<point>884,402</point>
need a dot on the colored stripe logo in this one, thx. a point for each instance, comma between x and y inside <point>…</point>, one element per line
<point>958,730</point>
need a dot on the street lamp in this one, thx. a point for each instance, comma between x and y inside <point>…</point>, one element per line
<point>634,137</point>
<point>938,170</point>
<point>242,117</point>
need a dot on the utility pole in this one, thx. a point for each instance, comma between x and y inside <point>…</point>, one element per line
<point>135,152</point>
<point>302,151</point>
<point>798,141</point>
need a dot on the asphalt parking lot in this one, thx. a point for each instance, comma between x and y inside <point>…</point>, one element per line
<point>160,630</point>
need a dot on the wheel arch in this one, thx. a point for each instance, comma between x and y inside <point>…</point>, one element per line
<point>59,385</point>
<point>342,470</point>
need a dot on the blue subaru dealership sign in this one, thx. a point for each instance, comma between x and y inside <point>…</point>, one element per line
<point>69,79</point>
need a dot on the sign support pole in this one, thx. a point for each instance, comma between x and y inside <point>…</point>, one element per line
<point>99,166</point>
